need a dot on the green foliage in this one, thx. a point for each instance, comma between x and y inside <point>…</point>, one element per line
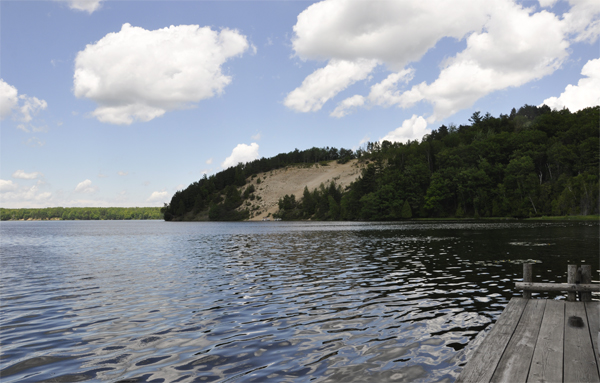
<point>334,208</point>
<point>308,203</point>
<point>406,211</point>
<point>323,203</point>
<point>533,162</point>
<point>289,209</point>
<point>370,207</point>
<point>83,213</point>
<point>249,190</point>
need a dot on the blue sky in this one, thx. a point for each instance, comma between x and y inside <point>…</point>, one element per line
<point>121,103</point>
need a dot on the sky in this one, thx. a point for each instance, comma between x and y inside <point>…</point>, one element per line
<point>122,103</point>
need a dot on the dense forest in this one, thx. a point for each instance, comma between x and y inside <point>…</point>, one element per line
<point>533,162</point>
<point>82,213</point>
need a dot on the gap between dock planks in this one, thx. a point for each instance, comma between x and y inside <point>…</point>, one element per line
<point>538,340</point>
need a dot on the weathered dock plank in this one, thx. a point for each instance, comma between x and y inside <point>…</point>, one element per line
<point>593,313</point>
<point>547,362</point>
<point>516,359</point>
<point>539,340</point>
<point>580,361</point>
<point>491,350</point>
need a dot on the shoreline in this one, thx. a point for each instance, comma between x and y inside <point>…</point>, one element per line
<point>60,219</point>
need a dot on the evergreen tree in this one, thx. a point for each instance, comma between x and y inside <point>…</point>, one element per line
<point>406,210</point>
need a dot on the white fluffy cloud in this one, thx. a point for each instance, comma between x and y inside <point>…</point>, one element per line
<point>585,94</point>
<point>85,187</point>
<point>26,176</point>
<point>517,47</point>
<point>412,129</point>
<point>362,33</point>
<point>385,93</point>
<point>136,74</point>
<point>158,196</point>
<point>242,153</point>
<point>345,107</point>
<point>583,20</point>
<point>11,101</point>
<point>393,32</point>
<point>31,106</point>
<point>26,196</point>
<point>7,186</point>
<point>122,173</point>
<point>508,45</point>
<point>325,83</point>
<point>88,6</point>
<point>8,99</point>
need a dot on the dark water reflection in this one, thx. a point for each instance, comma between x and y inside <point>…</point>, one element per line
<point>183,302</point>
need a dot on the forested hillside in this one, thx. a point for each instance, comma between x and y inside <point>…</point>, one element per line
<point>532,162</point>
<point>219,197</point>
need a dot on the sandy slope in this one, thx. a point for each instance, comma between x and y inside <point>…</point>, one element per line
<point>292,180</point>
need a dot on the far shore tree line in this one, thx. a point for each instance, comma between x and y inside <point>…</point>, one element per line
<point>82,213</point>
<point>530,163</point>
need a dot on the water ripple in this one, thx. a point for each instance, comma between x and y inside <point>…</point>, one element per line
<point>183,302</point>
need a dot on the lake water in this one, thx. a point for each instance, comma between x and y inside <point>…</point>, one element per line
<point>153,301</point>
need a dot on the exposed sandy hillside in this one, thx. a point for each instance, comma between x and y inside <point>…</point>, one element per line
<point>292,180</point>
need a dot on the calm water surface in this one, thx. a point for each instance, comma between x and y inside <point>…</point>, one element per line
<point>152,301</point>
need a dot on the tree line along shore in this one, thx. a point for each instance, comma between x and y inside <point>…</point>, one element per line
<point>533,162</point>
<point>38,215</point>
<point>81,213</point>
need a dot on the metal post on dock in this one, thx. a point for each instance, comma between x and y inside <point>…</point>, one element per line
<point>571,278</point>
<point>527,277</point>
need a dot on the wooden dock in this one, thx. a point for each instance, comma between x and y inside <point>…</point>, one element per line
<point>541,340</point>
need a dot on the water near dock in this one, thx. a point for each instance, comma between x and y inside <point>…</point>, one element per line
<point>273,301</point>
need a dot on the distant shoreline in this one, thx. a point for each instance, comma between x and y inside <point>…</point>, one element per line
<point>550,218</point>
<point>448,219</point>
<point>59,219</point>
<point>81,214</point>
